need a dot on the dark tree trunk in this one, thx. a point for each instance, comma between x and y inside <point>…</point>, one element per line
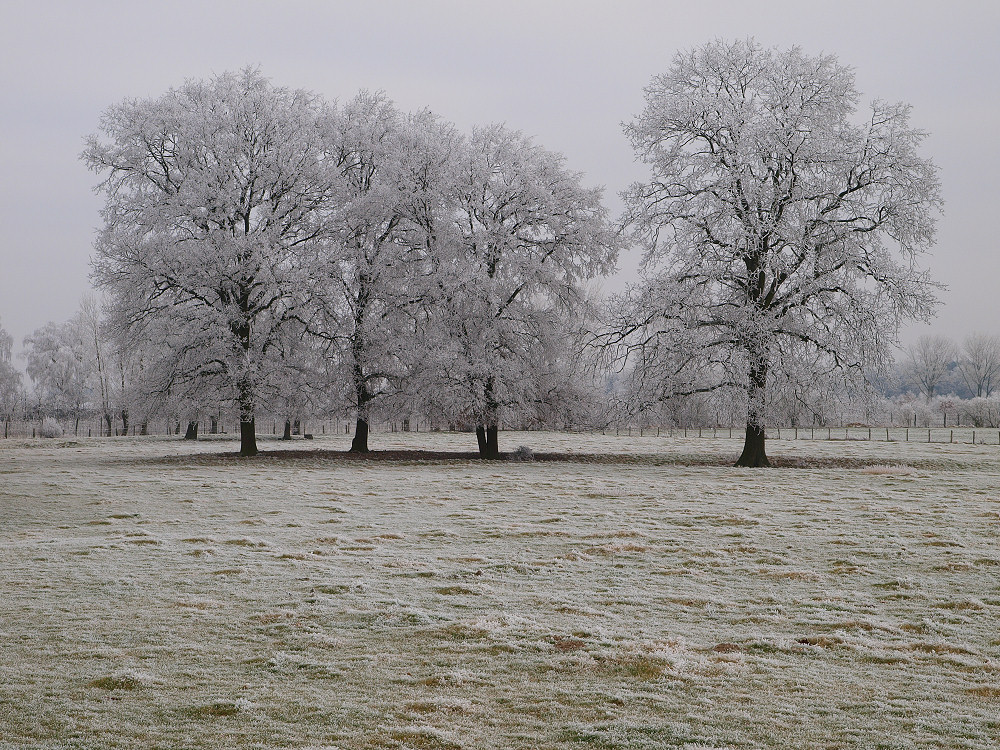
<point>486,435</point>
<point>110,423</point>
<point>192,431</point>
<point>360,442</point>
<point>144,428</point>
<point>124,421</point>
<point>754,454</point>
<point>486,432</point>
<point>492,443</point>
<point>214,429</point>
<point>248,437</point>
<point>359,353</point>
<point>287,434</point>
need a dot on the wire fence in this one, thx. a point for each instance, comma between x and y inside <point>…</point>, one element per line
<point>969,435</point>
<point>91,428</point>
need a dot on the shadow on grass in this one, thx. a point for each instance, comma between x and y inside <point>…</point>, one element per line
<point>292,456</point>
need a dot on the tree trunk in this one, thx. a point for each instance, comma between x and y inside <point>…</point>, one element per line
<point>144,428</point>
<point>124,421</point>
<point>360,442</point>
<point>754,454</point>
<point>287,434</point>
<point>492,443</point>
<point>109,422</point>
<point>486,432</point>
<point>214,430</point>
<point>486,435</point>
<point>192,431</point>
<point>248,437</point>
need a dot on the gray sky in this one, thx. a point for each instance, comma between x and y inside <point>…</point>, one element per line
<point>567,73</point>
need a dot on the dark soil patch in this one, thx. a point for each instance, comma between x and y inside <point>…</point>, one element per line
<point>611,459</point>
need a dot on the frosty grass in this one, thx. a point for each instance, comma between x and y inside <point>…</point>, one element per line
<point>155,594</point>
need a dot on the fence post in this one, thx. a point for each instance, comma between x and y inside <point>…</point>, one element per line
<point>951,439</point>
<point>928,435</point>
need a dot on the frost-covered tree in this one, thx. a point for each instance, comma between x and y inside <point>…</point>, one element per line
<point>58,367</point>
<point>526,233</point>
<point>10,377</point>
<point>979,363</point>
<point>365,284</point>
<point>781,226</point>
<point>928,363</point>
<point>210,190</point>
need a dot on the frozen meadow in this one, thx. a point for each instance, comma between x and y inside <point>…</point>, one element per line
<point>157,593</point>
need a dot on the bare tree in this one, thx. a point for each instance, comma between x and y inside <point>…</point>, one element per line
<point>527,232</point>
<point>979,363</point>
<point>928,362</point>
<point>210,190</point>
<point>10,378</point>
<point>365,285</point>
<point>58,368</point>
<point>781,233</point>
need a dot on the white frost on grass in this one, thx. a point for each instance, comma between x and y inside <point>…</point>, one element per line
<point>155,594</point>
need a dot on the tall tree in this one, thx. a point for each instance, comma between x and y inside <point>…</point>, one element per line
<point>979,363</point>
<point>781,229</point>
<point>928,362</point>
<point>363,285</point>
<point>10,377</point>
<point>58,367</point>
<point>527,233</point>
<point>210,190</point>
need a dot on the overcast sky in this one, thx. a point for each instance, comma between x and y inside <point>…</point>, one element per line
<point>567,73</point>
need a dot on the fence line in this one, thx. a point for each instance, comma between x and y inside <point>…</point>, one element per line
<point>11,429</point>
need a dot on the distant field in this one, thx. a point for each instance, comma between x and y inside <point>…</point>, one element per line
<point>155,593</point>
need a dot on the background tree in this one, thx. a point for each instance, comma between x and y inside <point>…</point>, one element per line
<point>363,285</point>
<point>781,234</point>
<point>979,363</point>
<point>928,363</point>
<point>209,191</point>
<point>10,378</point>
<point>58,368</point>
<point>527,233</point>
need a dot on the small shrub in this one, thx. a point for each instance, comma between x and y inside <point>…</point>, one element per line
<point>523,453</point>
<point>51,428</point>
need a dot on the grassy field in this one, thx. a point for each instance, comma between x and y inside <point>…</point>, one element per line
<point>156,593</point>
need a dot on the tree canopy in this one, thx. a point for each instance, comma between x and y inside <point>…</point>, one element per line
<point>782,228</point>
